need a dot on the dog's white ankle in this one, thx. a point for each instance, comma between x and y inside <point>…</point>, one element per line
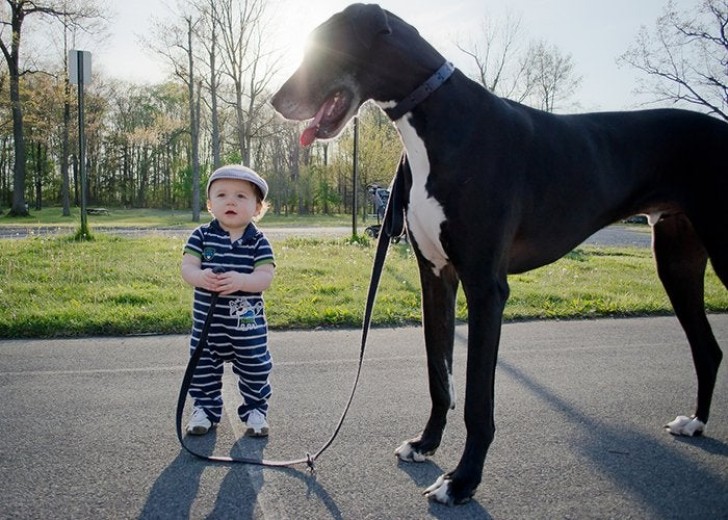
<point>688,426</point>
<point>406,452</point>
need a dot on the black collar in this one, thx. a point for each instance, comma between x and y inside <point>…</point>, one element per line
<point>422,92</point>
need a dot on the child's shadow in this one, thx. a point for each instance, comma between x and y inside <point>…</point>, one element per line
<point>237,497</point>
<point>177,486</point>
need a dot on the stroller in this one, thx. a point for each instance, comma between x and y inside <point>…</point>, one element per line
<point>380,197</point>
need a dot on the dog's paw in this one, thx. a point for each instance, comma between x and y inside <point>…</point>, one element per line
<point>408,453</point>
<point>447,490</point>
<point>440,491</point>
<point>688,426</point>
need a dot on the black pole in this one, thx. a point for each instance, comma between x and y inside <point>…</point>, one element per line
<point>81,146</point>
<point>355,177</point>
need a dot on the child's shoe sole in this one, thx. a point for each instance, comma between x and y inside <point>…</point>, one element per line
<point>198,430</point>
<point>250,432</point>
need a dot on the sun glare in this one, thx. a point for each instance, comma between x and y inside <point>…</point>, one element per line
<point>297,20</point>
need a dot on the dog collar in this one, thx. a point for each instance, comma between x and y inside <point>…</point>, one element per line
<point>422,92</point>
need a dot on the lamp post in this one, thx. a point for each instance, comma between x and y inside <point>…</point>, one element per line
<point>79,70</point>
<point>355,178</point>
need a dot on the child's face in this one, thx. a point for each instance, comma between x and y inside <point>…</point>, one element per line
<point>234,203</point>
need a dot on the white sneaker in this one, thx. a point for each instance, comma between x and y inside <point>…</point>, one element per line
<point>257,425</point>
<point>199,423</point>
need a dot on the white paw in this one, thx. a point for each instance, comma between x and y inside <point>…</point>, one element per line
<point>439,491</point>
<point>408,454</point>
<point>688,426</point>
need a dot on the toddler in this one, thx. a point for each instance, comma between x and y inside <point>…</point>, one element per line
<point>238,332</point>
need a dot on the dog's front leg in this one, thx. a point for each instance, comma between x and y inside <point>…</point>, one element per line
<point>486,301</point>
<point>438,318</point>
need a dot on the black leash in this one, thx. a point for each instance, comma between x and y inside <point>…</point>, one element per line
<point>392,227</point>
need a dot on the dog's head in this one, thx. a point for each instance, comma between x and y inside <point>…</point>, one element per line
<point>361,53</point>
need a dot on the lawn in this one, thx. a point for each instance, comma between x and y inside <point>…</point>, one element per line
<point>57,287</point>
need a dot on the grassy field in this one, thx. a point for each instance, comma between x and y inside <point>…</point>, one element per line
<point>54,286</point>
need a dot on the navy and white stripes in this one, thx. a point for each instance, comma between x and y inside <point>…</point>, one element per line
<point>239,332</point>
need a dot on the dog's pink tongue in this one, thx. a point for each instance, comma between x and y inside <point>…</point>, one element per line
<point>309,134</point>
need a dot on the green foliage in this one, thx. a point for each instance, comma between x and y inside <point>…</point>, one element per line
<point>113,286</point>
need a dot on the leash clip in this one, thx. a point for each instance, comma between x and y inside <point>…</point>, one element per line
<point>310,459</point>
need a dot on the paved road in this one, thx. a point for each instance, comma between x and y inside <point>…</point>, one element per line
<point>616,235</point>
<point>87,429</point>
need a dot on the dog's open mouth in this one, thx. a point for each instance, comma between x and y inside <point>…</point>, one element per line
<point>329,119</point>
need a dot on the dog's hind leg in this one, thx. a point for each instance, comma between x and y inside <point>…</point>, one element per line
<point>438,318</point>
<point>681,261</point>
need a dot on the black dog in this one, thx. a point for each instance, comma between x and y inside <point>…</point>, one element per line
<point>497,188</point>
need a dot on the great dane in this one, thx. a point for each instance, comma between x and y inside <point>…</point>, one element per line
<point>496,187</point>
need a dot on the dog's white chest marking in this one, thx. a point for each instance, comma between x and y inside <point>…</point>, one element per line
<point>425,215</point>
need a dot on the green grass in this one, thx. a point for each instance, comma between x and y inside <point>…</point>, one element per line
<point>54,286</point>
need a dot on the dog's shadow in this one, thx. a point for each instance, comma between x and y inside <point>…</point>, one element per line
<point>649,461</point>
<point>707,444</point>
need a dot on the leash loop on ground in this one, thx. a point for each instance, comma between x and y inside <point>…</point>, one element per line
<point>393,223</point>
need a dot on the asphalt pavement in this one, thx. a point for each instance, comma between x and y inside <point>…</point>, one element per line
<point>88,429</point>
<point>618,235</point>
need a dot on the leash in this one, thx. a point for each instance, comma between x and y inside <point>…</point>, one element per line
<point>392,226</point>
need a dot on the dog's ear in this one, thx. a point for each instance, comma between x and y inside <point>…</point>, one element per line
<point>368,21</point>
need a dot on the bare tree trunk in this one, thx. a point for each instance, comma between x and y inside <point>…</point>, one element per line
<point>194,126</point>
<point>38,176</point>
<point>65,184</point>
<point>239,21</point>
<point>12,57</point>
<point>214,82</point>
<point>18,207</point>
<point>3,176</point>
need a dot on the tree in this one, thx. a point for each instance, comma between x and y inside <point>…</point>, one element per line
<point>11,25</point>
<point>539,75</point>
<point>42,103</point>
<point>210,41</point>
<point>495,54</point>
<point>178,46</point>
<point>685,57</point>
<point>194,103</point>
<point>241,39</point>
<point>5,137</point>
<point>549,76</point>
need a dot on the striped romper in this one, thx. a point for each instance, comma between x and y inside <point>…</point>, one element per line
<point>239,331</point>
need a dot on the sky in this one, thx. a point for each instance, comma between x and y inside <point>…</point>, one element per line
<point>594,32</point>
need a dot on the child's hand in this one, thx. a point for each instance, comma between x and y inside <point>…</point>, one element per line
<point>230,282</point>
<point>210,281</point>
